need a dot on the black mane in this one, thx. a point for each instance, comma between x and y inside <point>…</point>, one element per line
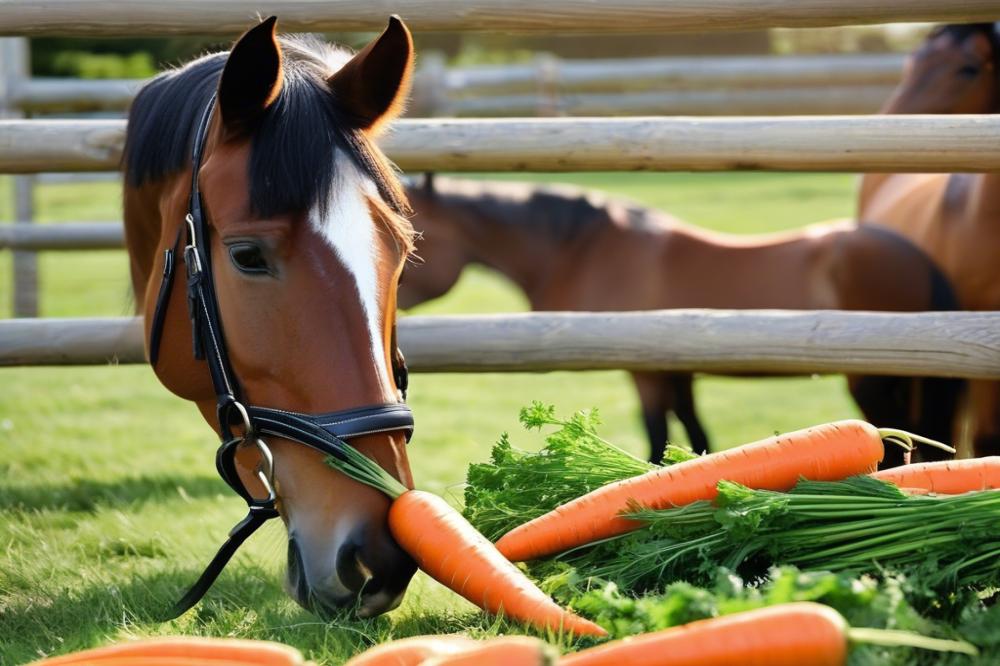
<point>291,166</point>
<point>562,213</point>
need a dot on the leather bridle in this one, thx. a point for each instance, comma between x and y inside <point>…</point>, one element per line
<point>241,424</point>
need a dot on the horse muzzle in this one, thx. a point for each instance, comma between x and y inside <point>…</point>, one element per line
<point>366,573</point>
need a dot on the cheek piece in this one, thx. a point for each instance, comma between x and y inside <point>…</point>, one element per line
<point>244,425</point>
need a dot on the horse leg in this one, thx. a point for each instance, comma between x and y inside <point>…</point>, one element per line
<point>883,401</point>
<point>984,399</point>
<point>935,406</point>
<point>684,409</point>
<point>655,400</point>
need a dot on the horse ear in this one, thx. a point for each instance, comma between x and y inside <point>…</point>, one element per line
<point>373,85</point>
<point>251,79</point>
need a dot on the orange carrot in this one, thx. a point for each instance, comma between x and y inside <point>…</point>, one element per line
<point>413,651</point>
<point>828,452</point>
<point>192,650</point>
<point>950,477</point>
<point>795,634</point>
<point>452,552</point>
<point>506,651</point>
<point>161,661</point>
<point>458,651</point>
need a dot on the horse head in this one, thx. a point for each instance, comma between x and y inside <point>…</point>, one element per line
<point>307,238</point>
<point>955,70</point>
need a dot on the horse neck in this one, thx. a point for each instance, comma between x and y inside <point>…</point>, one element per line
<point>984,201</point>
<point>504,240</point>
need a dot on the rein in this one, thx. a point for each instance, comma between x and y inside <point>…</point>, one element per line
<point>325,433</point>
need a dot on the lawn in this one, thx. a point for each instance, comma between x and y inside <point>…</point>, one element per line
<point>111,504</point>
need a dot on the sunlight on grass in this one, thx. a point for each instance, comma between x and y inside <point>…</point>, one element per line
<point>112,506</point>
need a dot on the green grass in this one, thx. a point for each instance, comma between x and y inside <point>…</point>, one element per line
<point>111,504</point>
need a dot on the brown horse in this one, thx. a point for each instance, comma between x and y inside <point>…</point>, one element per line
<point>954,218</point>
<point>306,235</point>
<point>572,249</point>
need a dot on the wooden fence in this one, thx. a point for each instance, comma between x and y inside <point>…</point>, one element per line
<point>72,236</point>
<point>840,143</point>
<point>230,17</point>
<point>717,341</point>
<point>935,344</point>
<point>745,85</point>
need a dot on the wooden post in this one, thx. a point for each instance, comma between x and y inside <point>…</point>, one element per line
<point>14,70</point>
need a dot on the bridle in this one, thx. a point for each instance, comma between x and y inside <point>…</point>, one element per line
<point>241,424</point>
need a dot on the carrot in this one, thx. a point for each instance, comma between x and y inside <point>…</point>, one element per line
<point>950,477</point>
<point>412,651</point>
<point>458,651</point>
<point>161,661</point>
<point>797,634</point>
<point>184,649</point>
<point>794,634</point>
<point>506,651</point>
<point>828,452</point>
<point>452,552</point>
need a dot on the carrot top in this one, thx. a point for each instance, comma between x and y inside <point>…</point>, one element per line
<point>361,468</point>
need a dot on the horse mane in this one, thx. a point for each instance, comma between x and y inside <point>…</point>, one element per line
<point>559,212</point>
<point>293,149</point>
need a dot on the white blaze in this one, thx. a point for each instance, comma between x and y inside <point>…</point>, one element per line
<point>350,230</point>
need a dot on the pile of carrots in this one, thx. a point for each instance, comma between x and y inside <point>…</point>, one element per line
<point>828,452</point>
<point>451,551</point>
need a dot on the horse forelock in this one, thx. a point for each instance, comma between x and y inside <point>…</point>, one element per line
<point>295,146</point>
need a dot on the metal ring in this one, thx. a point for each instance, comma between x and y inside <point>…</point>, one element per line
<point>266,470</point>
<point>248,429</point>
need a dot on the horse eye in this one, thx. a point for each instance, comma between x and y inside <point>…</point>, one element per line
<point>248,258</point>
<point>969,71</point>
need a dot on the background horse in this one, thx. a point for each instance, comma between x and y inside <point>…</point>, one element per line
<point>954,218</point>
<point>306,240</point>
<point>573,249</point>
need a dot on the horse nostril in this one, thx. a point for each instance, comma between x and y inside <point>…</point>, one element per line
<point>351,570</point>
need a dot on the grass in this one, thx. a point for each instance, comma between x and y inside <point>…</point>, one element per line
<point>111,504</point>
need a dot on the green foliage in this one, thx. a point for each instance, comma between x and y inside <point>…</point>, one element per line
<point>517,485</point>
<point>80,64</point>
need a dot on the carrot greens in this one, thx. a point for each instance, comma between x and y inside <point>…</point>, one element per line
<point>517,485</point>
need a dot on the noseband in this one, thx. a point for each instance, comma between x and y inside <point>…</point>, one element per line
<point>241,424</point>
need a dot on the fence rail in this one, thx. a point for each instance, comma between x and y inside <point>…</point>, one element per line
<point>230,17</point>
<point>750,102</point>
<point>740,78</point>
<point>70,236</point>
<point>963,344</point>
<point>909,143</point>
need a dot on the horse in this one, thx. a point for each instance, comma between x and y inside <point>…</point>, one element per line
<point>574,249</point>
<point>954,218</point>
<point>293,242</point>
